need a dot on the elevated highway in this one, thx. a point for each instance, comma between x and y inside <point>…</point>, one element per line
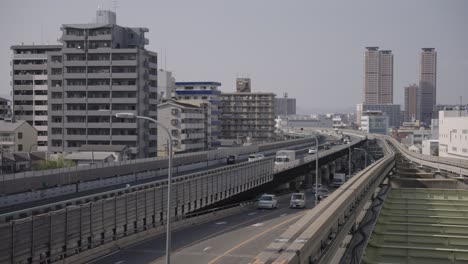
<point>86,227</point>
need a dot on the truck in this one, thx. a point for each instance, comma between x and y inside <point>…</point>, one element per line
<point>283,156</point>
<point>338,179</point>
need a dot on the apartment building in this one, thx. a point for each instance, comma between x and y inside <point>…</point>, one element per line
<point>285,106</point>
<point>29,87</point>
<point>186,123</point>
<point>453,133</point>
<point>17,136</point>
<point>248,115</point>
<point>208,96</point>
<point>5,108</point>
<point>102,69</point>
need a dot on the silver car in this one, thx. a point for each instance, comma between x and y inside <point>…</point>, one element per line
<point>267,201</point>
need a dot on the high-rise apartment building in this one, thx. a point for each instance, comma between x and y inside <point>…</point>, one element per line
<point>248,115</point>
<point>285,106</point>
<point>412,102</point>
<point>5,110</point>
<point>243,85</point>
<point>428,83</point>
<point>29,87</point>
<point>378,76</point>
<point>205,95</point>
<point>102,69</point>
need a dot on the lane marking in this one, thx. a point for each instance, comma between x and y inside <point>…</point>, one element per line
<point>253,238</point>
<point>215,234</point>
<point>221,223</point>
<point>120,262</point>
<point>253,213</point>
<point>207,248</point>
<point>283,215</point>
<point>258,224</point>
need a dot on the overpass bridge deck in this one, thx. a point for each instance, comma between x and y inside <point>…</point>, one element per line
<point>421,226</point>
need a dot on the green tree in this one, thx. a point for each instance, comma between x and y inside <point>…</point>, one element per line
<point>54,164</point>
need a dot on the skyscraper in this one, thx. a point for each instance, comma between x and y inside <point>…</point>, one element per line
<point>102,66</point>
<point>412,103</point>
<point>378,76</point>
<point>428,83</point>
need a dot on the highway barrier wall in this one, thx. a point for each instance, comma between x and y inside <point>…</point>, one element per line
<point>36,180</point>
<point>58,234</point>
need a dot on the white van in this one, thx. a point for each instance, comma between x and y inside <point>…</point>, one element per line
<point>298,200</point>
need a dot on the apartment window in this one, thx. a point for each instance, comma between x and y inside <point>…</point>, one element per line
<point>464,150</point>
<point>465,131</point>
<point>175,142</point>
<point>175,111</point>
<point>20,147</point>
<point>454,148</point>
<point>175,132</point>
<point>20,135</point>
<point>174,122</point>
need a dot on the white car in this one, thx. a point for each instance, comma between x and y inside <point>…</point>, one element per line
<point>267,201</point>
<point>253,157</point>
<point>312,151</point>
<point>297,200</point>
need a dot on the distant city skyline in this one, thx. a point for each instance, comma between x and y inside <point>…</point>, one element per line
<point>299,48</point>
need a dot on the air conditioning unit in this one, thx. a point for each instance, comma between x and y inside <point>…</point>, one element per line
<point>175,122</point>
<point>175,111</point>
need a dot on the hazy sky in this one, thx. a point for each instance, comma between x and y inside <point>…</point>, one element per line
<point>314,50</point>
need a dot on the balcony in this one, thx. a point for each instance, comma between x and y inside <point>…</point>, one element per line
<point>100,37</point>
<point>124,100</point>
<point>124,88</point>
<point>40,107</point>
<point>99,137</point>
<point>29,56</point>
<point>99,63</point>
<point>74,63</point>
<point>124,63</point>
<point>125,137</point>
<point>101,75</point>
<point>124,125</point>
<point>104,100</point>
<point>8,140</point>
<point>124,75</point>
<point>29,66</point>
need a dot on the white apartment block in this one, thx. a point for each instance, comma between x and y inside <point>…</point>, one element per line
<point>29,86</point>
<point>453,134</point>
<point>186,123</point>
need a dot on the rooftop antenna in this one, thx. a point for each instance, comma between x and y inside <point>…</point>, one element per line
<point>165,59</point>
<point>115,5</point>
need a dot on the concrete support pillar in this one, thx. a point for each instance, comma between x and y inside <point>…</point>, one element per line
<point>325,174</point>
<point>331,168</point>
<point>338,164</point>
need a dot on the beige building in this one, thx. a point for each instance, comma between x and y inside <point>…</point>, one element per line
<point>412,103</point>
<point>248,115</point>
<point>186,123</point>
<point>378,76</point>
<point>19,136</point>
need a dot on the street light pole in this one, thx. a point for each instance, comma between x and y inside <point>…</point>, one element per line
<point>365,155</point>
<point>349,163</point>
<point>316,168</point>
<point>169,178</point>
